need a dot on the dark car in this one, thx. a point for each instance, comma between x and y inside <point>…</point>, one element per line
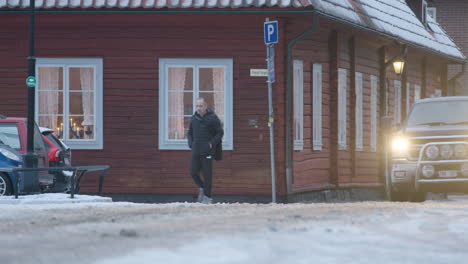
<point>430,151</point>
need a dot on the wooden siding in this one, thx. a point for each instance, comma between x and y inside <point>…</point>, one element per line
<point>131,45</point>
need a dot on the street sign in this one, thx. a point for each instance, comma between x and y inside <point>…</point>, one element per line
<point>31,81</point>
<point>270,32</point>
<point>259,72</point>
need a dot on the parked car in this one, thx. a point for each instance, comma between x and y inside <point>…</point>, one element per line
<point>59,155</point>
<point>13,145</point>
<point>430,150</point>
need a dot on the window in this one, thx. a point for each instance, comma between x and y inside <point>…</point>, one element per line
<point>181,82</point>
<point>69,100</point>
<point>342,105</point>
<point>432,12</point>
<point>298,88</point>
<point>397,110</point>
<point>9,136</point>
<point>417,93</point>
<point>317,106</point>
<point>374,85</point>
<point>358,111</point>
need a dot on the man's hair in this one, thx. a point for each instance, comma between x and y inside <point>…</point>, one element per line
<point>202,99</point>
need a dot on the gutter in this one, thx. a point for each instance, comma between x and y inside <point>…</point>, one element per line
<point>289,72</point>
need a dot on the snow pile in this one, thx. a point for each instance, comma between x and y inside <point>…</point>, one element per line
<point>53,198</point>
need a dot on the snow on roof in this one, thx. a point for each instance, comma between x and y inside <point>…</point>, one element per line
<point>393,19</point>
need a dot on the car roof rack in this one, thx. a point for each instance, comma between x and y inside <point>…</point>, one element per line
<point>2,116</point>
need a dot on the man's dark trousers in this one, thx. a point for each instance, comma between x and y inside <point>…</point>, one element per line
<point>202,163</point>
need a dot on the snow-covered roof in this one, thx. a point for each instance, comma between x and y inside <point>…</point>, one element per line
<point>393,19</point>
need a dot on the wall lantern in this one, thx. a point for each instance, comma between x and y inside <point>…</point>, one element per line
<point>398,65</point>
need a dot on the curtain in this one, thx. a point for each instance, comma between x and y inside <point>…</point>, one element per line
<point>87,88</point>
<point>218,88</point>
<point>176,103</point>
<point>49,101</point>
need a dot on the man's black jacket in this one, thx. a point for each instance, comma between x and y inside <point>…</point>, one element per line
<point>203,131</point>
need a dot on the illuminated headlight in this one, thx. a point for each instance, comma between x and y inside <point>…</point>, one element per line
<point>400,146</point>
<point>432,152</point>
<point>446,151</point>
<point>9,154</point>
<point>428,171</point>
<point>460,151</point>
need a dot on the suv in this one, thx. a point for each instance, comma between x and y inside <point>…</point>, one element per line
<point>13,137</point>
<point>430,150</point>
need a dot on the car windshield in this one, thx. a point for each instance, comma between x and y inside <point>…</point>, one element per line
<point>439,113</point>
<point>9,136</point>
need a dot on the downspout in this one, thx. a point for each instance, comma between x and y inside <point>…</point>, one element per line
<point>452,80</point>
<point>289,72</point>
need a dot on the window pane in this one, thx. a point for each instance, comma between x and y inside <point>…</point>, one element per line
<point>54,122</point>
<point>81,79</point>
<point>178,127</point>
<point>180,79</point>
<point>81,127</point>
<point>215,101</point>
<point>180,103</point>
<point>9,136</point>
<point>81,103</point>
<point>50,103</point>
<point>50,78</point>
<point>211,79</point>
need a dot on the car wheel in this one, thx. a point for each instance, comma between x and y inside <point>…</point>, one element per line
<point>5,185</point>
<point>392,194</point>
<point>418,197</point>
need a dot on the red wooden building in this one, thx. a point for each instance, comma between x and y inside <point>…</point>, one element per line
<point>117,80</point>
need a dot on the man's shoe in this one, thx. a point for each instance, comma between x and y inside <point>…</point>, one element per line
<point>201,193</point>
<point>207,200</point>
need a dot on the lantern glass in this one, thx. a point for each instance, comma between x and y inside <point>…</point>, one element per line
<point>398,66</point>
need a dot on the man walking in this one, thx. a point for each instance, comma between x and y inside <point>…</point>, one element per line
<point>204,138</point>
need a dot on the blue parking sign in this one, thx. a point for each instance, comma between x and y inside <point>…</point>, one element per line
<point>270,32</point>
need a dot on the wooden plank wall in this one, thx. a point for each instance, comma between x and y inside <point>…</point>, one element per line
<point>130,46</point>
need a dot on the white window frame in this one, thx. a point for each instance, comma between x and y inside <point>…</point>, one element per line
<point>397,103</point>
<point>358,111</point>
<point>342,108</point>
<point>66,63</point>
<point>298,91</point>
<point>164,64</point>
<point>317,107</point>
<point>374,113</point>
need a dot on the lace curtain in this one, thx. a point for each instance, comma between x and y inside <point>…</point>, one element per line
<point>49,101</point>
<point>176,103</point>
<point>87,87</point>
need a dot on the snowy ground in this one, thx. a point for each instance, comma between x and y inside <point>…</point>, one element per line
<point>117,233</point>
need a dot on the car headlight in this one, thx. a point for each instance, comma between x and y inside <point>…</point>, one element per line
<point>428,171</point>
<point>400,146</point>
<point>9,154</point>
<point>460,151</point>
<point>446,151</point>
<point>432,152</point>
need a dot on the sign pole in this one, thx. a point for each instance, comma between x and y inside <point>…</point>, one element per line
<point>270,49</point>
<point>30,159</point>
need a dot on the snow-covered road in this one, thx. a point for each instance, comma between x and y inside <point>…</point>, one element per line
<point>117,233</point>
